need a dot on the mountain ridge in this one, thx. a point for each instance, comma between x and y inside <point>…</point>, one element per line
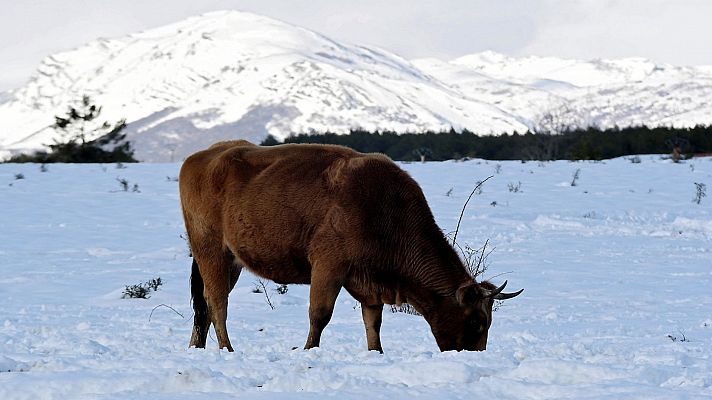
<point>230,74</point>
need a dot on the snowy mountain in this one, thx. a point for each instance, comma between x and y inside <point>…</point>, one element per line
<point>232,74</point>
<point>604,93</point>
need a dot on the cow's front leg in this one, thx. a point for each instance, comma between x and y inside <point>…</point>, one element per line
<point>372,316</point>
<point>322,296</point>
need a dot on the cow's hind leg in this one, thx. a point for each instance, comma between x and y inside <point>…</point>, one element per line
<point>326,282</point>
<point>372,316</point>
<point>219,274</point>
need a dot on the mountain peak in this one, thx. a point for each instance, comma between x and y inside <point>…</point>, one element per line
<point>233,74</point>
<point>230,74</point>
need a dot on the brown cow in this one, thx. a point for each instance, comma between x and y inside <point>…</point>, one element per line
<point>330,217</point>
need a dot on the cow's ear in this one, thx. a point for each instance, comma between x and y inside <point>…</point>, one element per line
<point>467,294</point>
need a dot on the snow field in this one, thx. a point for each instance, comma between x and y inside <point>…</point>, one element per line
<point>616,270</point>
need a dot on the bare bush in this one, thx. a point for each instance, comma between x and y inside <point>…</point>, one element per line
<point>282,289</point>
<point>124,185</point>
<point>404,308</point>
<point>700,192</point>
<point>515,187</point>
<point>261,287</point>
<point>576,176</point>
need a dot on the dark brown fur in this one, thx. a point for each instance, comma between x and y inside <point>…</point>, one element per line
<point>330,217</point>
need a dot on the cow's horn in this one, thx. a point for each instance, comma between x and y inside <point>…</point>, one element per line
<point>496,291</point>
<point>505,296</point>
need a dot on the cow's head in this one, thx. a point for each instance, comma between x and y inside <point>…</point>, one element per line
<point>462,322</point>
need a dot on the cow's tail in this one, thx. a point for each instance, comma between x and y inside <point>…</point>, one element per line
<point>200,307</point>
<point>196,290</point>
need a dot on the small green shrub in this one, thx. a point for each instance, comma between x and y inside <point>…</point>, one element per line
<point>154,284</point>
<point>142,290</point>
<point>138,291</point>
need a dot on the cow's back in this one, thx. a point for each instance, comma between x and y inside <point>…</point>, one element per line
<point>266,203</point>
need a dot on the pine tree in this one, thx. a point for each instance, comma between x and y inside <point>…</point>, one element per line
<point>77,128</point>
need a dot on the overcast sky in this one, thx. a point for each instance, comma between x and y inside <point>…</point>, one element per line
<point>671,31</point>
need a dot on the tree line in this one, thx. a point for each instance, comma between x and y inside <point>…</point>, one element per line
<point>85,139</point>
<point>577,144</point>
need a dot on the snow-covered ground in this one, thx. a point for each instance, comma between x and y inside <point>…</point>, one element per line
<point>617,272</point>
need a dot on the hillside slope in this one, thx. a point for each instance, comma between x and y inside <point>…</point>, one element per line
<point>231,74</point>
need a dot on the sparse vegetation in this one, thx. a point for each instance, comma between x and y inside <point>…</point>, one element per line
<point>475,260</point>
<point>261,287</point>
<point>142,290</point>
<point>681,338</point>
<point>590,215</point>
<point>478,188</point>
<point>282,289</point>
<point>138,291</point>
<point>464,206</point>
<point>515,187</point>
<point>404,308</point>
<point>154,284</point>
<point>124,185</point>
<point>576,177</point>
<point>19,176</point>
<point>700,192</point>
